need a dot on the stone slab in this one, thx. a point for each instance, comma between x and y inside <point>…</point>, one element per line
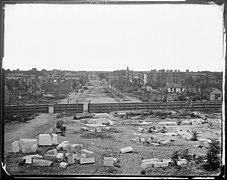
<point>52,152</point>
<point>153,159</point>
<point>45,139</point>
<point>15,146</point>
<point>161,164</point>
<point>78,157</point>
<point>28,158</point>
<point>41,162</point>
<point>87,160</point>
<point>50,157</point>
<point>54,138</point>
<point>126,149</point>
<point>64,143</point>
<point>28,145</point>
<point>60,156</point>
<point>108,161</point>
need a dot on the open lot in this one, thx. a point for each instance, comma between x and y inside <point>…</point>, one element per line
<point>126,131</point>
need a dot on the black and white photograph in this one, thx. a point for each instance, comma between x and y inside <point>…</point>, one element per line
<point>113,89</point>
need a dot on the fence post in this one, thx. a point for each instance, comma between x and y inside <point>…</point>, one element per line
<point>76,106</point>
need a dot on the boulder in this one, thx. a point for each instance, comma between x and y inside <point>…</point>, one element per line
<point>28,145</point>
<point>15,146</point>
<point>54,139</point>
<point>148,160</point>
<point>171,123</point>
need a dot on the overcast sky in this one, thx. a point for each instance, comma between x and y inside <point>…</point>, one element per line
<point>111,37</point>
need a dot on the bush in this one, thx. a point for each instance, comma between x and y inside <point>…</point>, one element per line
<point>185,154</point>
<point>194,136</point>
<point>213,160</point>
<point>175,157</point>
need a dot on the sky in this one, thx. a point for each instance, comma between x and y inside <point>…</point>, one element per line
<point>96,37</point>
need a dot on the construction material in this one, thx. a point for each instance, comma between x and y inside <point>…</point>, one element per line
<point>79,156</point>
<point>126,149</point>
<point>45,139</point>
<point>28,158</point>
<point>28,145</point>
<point>15,146</point>
<point>161,164</point>
<point>52,152</point>
<point>87,160</point>
<point>63,165</point>
<point>108,161</point>
<point>64,143</point>
<point>41,162</point>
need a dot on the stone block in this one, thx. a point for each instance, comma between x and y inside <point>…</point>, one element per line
<point>87,151</point>
<point>154,144</point>
<point>101,115</point>
<point>171,123</point>
<point>126,149</point>
<point>108,161</point>
<point>87,160</point>
<point>52,152</point>
<point>63,165</point>
<point>161,164</point>
<point>28,145</point>
<point>60,146</point>
<point>28,158</point>
<point>181,163</point>
<point>41,162</point>
<point>60,157</point>
<point>50,157</point>
<point>45,139</point>
<point>162,123</point>
<point>186,122</point>
<point>148,160</point>
<point>54,138</point>
<point>114,160</point>
<point>15,146</point>
<point>79,156</point>
<point>169,161</point>
<point>98,130</point>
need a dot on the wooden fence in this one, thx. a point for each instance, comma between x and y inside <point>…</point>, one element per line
<point>74,108</point>
<point>31,109</point>
<point>26,109</point>
<point>196,106</point>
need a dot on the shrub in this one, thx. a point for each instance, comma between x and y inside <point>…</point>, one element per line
<point>213,160</point>
<point>194,136</point>
<point>175,157</point>
<point>185,154</point>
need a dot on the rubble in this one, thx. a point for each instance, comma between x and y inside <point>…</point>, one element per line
<point>70,158</point>
<point>126,149</point>
<point>182,162</point>
<point>15,146</point>
<point>79,156</point>
<point>28,145</point>
<point>41,162</point>
<point>87,152</point>
<point>52,152</point>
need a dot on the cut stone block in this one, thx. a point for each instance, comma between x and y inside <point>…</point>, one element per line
<point>41,162</point>
<point>126,149</point>
<point>169,161</point>
<point>154,144</point>
<point>98,130</point>
<point>205,140</point>
<point>153,159</point>
<point>78,157</point>
<point>162,123</point>
<point>182,162</point>
<point>28,159</point>
<point>101,115</point>
<point>54,138</point>
<point>86,151</point>
<point>114,160</point>
<point>87,160</point>
<point>52,152</point>
<point>15,146</point>
<point>161,164</point>
<point>60,156</point>
<point>186,122</point>
<point>108,161</point>
<point>63,165</point>
<point>45,139</point>
<point>170,134</point>
<point>28,145</point>
<point>64,143</point>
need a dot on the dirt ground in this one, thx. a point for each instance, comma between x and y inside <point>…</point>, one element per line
<point>118,136</point>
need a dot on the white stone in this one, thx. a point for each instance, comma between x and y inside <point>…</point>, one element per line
<point>41,162</point>
<point>98,129</point>
<point>45,139</point>
<point>87,160</point>
<point>101,115</point>
<point>86,151</point>
<point>15,146</point>
<point>50,157</point>
<point>153,159</point>
<point>60,157</point>
<point>205,140</point>
<point>186,122</point>
<point>108,161</point>
<point>114,160</point>
<point>28,158</point>
<point>64,143</point>
<point>54,138</point>
<point>111,123</point>
<point>63,165</point>
<point>161,164</point>
<point>162,123</point>
<point>126,149</point>
<point>171,123</point>
<point>28,145</point>
<point>182,162</point>
<point>95,125</point>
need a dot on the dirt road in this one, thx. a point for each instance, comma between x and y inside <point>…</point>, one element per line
<point>31,129</point>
